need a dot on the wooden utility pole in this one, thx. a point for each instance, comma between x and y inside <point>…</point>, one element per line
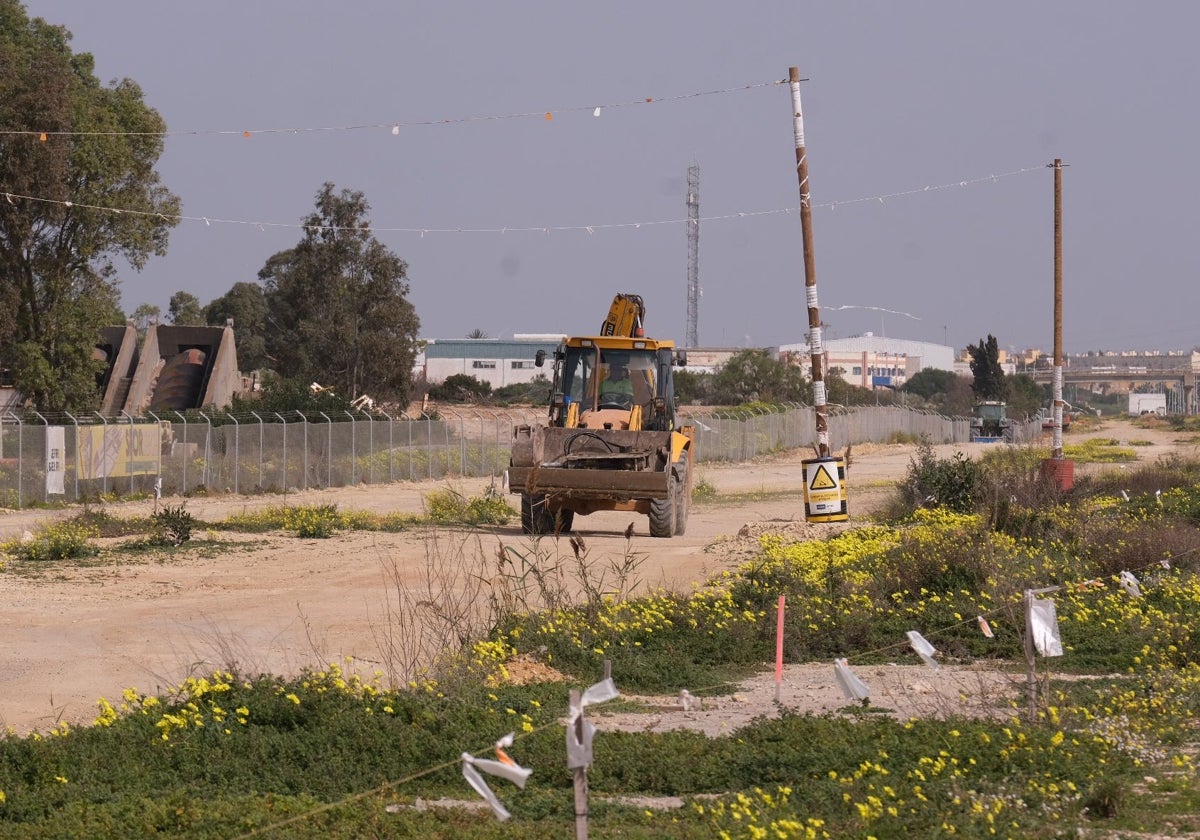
<point>579,775</point>
<point>816,351</point>
<point>1058,307</point>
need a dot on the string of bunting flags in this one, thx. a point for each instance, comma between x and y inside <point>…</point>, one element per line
<point>394,126</point>
<point>13,198</point>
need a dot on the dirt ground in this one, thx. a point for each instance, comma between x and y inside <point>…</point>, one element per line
<point>275,603</point>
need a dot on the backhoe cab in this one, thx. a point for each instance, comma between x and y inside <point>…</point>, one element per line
<point>613,383</point>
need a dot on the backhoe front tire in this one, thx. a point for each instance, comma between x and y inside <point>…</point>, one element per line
<point>683,503</point>
<point>662,511</point>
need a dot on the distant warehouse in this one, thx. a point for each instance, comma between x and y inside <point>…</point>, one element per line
<point>496,361</point>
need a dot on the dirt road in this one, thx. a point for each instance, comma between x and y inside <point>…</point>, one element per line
<point>272,603</point>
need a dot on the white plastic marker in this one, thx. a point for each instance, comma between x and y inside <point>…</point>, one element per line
<point>1130,584</point>
<point>924,649</point>
<point>505,768</point>
<point>852,686</point>
<point>1044,625</point>
<point>579,738</point>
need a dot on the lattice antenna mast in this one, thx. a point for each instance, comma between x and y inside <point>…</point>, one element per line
<point>693,237</point>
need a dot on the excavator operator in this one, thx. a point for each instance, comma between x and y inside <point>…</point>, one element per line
<point>617,387</point>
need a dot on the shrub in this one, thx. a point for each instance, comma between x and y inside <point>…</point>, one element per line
<point>55,541</point>
<point>952,483</point>
<point>313,521</point>
<point>173,525</point>
<point>446,507</point>
<point>703,491</point>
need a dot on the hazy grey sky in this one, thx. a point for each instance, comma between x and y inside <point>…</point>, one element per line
<point>900,96</point>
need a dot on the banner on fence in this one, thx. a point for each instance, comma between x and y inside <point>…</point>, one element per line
<point>116,451</point>
<point>56,444</point>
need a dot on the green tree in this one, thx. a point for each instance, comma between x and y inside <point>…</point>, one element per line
<point>840,392</point>
<point>338,311</point>
<point>460,387</point>
<point>957,400</point>
<point>989,381</point>
<point>753,376</point>
<point>73,144</point>
<point>245,305</point>
<point>143,315</point>
<point>534,392</point>
<point>287,396</point>
<point>477,333</point>
<point>927,383</point>
<point>184,310</point>
<point>1025,395</point>
<point>692,387</point>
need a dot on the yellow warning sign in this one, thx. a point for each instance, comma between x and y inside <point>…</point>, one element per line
<point>825,490</point>
<point>822,480</point>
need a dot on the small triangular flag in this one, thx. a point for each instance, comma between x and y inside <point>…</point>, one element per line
<point>984,627</point>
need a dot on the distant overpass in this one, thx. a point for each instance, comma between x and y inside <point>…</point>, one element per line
<point>1114,373</point>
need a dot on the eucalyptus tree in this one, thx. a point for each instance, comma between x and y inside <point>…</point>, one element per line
<point>337,304</point>
<point>78,192</point>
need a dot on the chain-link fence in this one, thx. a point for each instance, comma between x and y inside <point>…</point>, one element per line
<point>72,458</point>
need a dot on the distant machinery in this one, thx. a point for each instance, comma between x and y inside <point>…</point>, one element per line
<point>692,338</point>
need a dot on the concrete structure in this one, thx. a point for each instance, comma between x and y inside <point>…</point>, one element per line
<point>498,362</point>
<point>183,368</point>
<point>119,348</point>
<point>200,365</point>
<point>872,361</point>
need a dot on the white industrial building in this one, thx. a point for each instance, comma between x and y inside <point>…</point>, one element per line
<point>874,361</point>
<point>496,361</point>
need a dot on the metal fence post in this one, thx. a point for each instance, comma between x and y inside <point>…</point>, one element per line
<point>207,451</point>
<point>261,478</point>
<point>20,459</point>
<point>462,445</point>
<point>237,436</point>
<point>304,461</point>
<point>157,458</point>
<point>103,446</point>
<point>285,461</point>
<point>45,440</point>
<point>328,450</point>
<point>183,489</point>
<point>76,422</point>
<point>129,450</point>
<point>370,448</point>
<point>429,441</point>
<point>353,449</point>
<point>391,447</point>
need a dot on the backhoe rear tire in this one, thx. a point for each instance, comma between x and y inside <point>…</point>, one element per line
<point>537,518</point>
<point>662,511</point>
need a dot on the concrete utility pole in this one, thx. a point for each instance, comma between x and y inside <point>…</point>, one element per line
<point>815,348</point>
<point>1057,454</point>
<point>693,237</point>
